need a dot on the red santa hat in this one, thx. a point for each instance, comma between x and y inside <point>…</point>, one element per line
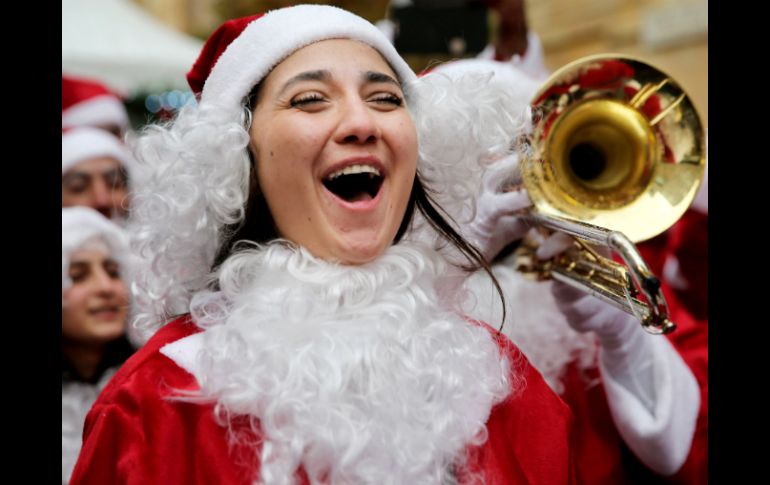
<point>85,143</point>
<point>243,51</point>
<point>88,103</point>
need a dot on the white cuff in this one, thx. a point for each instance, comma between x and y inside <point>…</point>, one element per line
<point>661,440</point>
<point>184,352</point>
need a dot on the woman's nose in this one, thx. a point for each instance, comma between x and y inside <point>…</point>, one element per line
<point>101,194</point>
<point>358,123</point>
<point>103,281</point>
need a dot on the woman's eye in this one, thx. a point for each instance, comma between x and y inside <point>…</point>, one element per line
<point>306,100</point>
<point>116,179</point>
<point>112,269</point>
<point>75,183</point>
<point>387,98</point>
<point>78,273</point>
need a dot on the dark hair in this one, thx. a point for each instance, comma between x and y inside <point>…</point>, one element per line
<point>116,352</point>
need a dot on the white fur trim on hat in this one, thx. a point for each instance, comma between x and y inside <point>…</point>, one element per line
<point>81,224</point>
<point>521,84</point>
<point>98,111</point>
<point>273,37</point>
<point>85,143</point>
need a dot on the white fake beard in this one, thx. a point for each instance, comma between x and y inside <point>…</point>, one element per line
<point>533,322</point>
<point>355,373</point>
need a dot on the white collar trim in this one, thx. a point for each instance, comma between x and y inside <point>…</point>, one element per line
<point>184,352</point>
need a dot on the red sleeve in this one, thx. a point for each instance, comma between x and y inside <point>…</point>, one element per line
<point>530,432</point>
<point>111,448</point>
<point>137,434</point>
<point>691,341</point>
<point>599,449</point>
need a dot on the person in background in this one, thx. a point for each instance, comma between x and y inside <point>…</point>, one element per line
<point>95,169</point>
<point>95,284</point>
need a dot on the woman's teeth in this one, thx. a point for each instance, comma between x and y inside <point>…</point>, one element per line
<point>353,170</point>
<point>354,183</point>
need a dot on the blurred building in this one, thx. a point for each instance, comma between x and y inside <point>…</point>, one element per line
<point>671,34</point>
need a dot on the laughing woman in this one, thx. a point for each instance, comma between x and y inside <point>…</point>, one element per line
<point>311,342</point>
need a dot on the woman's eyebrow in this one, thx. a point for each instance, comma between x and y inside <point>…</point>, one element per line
<point>379,77</point>
<point>318,75</point>
<point>324,75</point>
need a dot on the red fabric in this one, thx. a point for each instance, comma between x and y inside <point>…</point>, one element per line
<point>74,91</point>
<point>135,435</point>
<point>654,252</point>
<point>691,340</point>
<point>598,446</point>
<point>213,48</point>
<point>687,241</point>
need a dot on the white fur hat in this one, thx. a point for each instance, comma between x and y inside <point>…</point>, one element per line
<point>84,143</point>
<point>79,225</point>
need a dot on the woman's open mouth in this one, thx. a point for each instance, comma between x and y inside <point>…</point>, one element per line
<point>355,183</point>
<point>105,312</point>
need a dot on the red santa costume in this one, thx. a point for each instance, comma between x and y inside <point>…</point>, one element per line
<point>291,368</point>
<point>639,416</point>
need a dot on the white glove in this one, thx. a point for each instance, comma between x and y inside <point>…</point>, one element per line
<point>552,245</point>
<point>652,394</point>
<point>623,342</point>
<point>496,224</point>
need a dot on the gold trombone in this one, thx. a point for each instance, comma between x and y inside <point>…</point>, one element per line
<point>616,156</point>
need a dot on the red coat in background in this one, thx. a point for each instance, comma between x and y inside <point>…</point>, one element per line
<point>679,257</point>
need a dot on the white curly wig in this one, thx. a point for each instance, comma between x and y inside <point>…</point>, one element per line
<point>476,112</point>
<point>195,170</point>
